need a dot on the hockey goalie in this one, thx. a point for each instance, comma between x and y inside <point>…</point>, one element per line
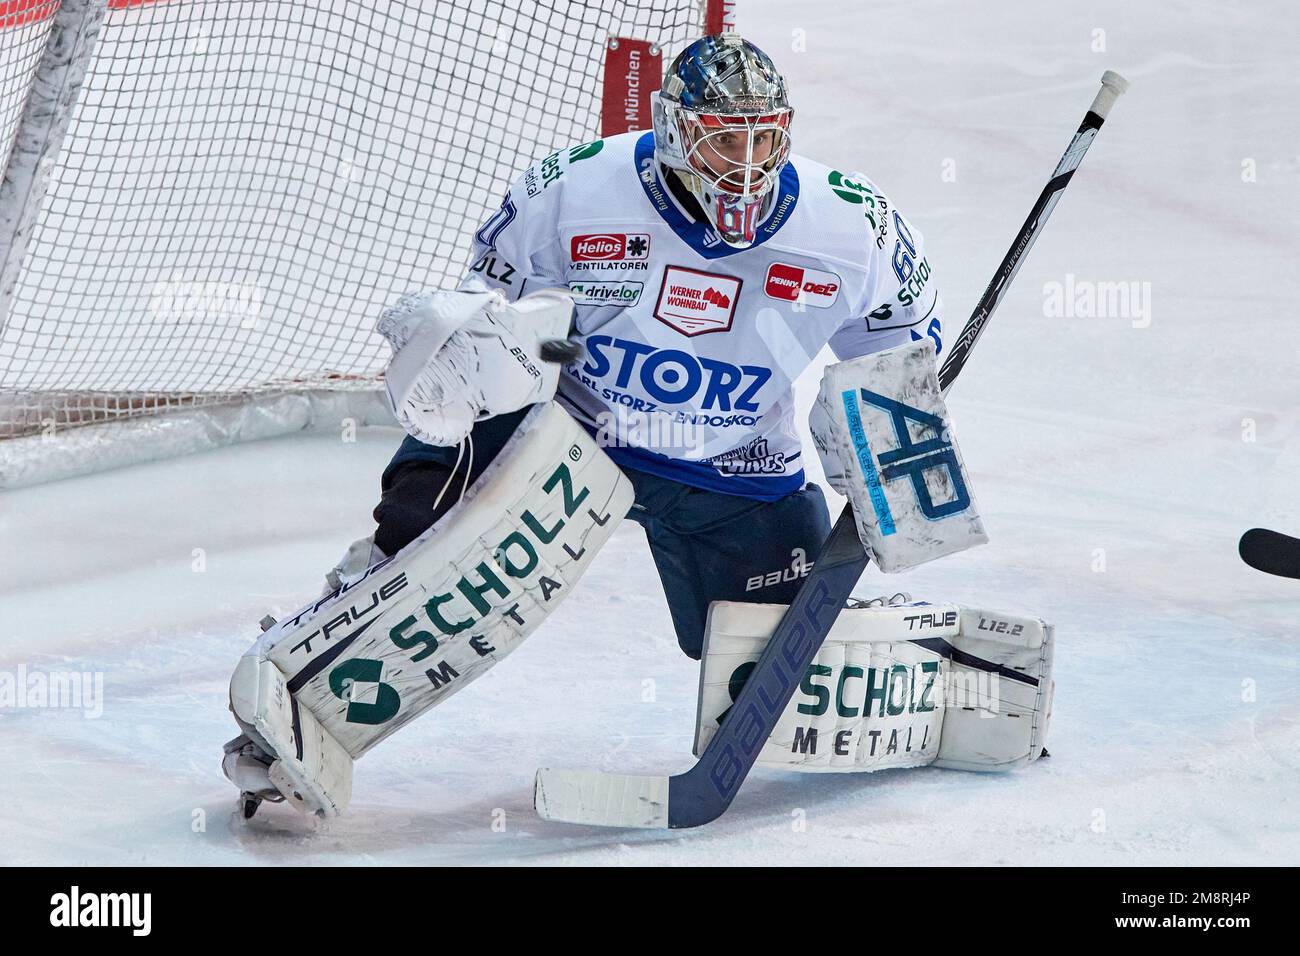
<point>624,344</point>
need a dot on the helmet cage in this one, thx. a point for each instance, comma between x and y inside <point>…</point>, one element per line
<point>746,178</point>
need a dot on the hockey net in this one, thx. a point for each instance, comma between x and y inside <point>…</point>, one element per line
<point>244,184</point>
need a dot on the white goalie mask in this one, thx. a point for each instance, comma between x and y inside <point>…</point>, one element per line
<point>722,123</point>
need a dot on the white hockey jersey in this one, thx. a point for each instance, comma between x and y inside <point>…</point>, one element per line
<point>692,346</point>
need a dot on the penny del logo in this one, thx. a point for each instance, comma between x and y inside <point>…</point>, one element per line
<point>795,284</point>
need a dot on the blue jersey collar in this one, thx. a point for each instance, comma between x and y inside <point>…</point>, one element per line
<point>699,236</point>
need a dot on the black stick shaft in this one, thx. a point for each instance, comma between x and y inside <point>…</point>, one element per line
<point>1112,86</point>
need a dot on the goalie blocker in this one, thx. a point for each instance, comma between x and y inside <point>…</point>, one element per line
<point>324,685</point>
<point>881,428</point>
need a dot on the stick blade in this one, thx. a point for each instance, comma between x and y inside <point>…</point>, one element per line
<point>1270,552</point>
<point>601,799</point>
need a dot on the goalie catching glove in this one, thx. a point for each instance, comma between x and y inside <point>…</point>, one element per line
<point>459,357</point>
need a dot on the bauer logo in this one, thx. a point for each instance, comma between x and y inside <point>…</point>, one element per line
<point>794,284</point>
<point>694,302</point>
<point>609,246</point>
<point>606,293</point>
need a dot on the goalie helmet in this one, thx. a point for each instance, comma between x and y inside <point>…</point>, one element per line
<point>722,123</point>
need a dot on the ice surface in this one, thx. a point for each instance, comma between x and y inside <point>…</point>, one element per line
<point>1176,731</point>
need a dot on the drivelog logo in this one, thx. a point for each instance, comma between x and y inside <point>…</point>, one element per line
<point>612,292</point>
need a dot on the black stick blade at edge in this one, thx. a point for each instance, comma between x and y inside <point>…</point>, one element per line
<point>1271,552</point>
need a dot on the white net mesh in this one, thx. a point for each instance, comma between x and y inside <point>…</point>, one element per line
<point>245,184</point>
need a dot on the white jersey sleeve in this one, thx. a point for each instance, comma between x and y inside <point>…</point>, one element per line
<point>903,303</point>
<point>518,249</point>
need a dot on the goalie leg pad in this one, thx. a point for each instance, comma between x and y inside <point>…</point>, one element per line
<point>417,627</point>
<point>999,692</point>
<point>311,771</point>
<point>903,685</point>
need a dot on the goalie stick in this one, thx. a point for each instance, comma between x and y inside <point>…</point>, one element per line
<point>1271,552</point>
<point>704,792</point>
